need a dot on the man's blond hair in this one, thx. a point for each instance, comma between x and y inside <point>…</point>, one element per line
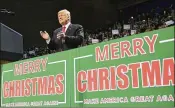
<point>67,12</point>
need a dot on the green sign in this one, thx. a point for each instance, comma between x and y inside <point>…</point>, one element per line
<point>134,71</point>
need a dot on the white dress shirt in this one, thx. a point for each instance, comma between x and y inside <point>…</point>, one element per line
<point>67,25</point>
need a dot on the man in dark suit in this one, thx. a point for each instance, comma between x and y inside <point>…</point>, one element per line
<point>68,36</point>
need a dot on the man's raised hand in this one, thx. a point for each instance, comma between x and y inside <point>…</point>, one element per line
<point>44,35</point>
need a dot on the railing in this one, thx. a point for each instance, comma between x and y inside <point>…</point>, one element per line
<point>134,71</point>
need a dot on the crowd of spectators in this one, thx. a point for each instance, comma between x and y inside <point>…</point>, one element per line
<point>155,19</point>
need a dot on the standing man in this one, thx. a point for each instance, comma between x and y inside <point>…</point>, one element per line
<point>67,37</point>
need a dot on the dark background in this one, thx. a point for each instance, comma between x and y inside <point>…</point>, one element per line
<point>31,16</point>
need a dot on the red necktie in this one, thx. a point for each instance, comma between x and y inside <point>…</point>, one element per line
<point>63,29</point>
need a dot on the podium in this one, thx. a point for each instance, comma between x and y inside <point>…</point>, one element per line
<point>11,44</point>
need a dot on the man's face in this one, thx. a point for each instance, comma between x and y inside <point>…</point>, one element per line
<point>62,17</point>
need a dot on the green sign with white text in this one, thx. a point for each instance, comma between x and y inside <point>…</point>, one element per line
<point>134,71</point>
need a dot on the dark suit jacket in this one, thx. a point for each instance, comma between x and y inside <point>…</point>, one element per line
<point>74,38</point>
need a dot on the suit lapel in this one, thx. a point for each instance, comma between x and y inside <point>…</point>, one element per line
<point>68,29</point>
